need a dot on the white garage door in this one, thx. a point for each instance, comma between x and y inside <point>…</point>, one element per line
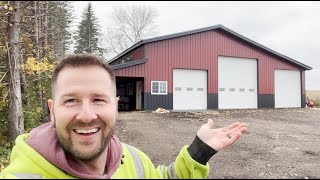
<point>189,89</point>
<point>287,89</point>
<point>237,83</point>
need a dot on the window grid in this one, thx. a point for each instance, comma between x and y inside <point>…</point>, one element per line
<point>158,87</point>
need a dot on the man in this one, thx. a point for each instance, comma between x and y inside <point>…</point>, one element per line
<point>80,142</point>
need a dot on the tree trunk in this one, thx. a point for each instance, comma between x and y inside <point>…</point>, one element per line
<point>23,77</point>
<point>39,56</point>
<point>15,116</point>
<point>45,109</point>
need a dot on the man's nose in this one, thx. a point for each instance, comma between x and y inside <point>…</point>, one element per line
<point>86,113</point>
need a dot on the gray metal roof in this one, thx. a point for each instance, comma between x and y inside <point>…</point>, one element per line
<point>170,36</point>
<point>128,64</point>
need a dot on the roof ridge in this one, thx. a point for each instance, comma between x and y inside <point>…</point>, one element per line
<point>209,28</point>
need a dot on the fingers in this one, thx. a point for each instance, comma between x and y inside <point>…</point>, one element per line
<point>235,133</point>
<point>231,126</point>
<point>241,127</point>
<point>235,137</point>
<point>231,129</point>
<point>243,130</point>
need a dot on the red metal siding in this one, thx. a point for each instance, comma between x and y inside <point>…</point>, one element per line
<point>137,55</point>
<point>133,71</point>
<point>201,51</point>
<point>190,52</point>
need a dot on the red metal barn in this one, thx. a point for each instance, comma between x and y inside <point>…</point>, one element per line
<point>208,68</point>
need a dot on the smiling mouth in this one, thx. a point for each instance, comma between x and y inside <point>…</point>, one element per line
<point>86,131</point>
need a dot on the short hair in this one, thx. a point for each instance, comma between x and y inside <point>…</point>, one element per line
<point>81,60</point>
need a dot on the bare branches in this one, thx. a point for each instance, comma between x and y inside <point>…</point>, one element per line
<point>131,25</point>
<point>4,75</point>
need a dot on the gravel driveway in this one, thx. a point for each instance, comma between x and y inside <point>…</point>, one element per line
<point>280,143</point>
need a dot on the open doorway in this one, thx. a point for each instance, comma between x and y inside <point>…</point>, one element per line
<point>130,91</point>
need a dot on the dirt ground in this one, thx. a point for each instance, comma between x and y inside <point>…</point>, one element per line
<point>280,143</point>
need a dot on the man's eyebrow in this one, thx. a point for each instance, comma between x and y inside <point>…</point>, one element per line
<point>94,95</point>
<point>100,95</point>
<point>68,95</point>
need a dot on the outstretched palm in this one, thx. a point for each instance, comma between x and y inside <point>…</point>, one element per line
<point>221,137</point>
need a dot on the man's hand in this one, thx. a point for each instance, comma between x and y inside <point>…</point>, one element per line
<point>221,137</point>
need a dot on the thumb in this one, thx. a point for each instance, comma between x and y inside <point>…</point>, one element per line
<point>210,123</point>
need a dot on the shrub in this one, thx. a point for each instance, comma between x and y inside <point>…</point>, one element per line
<point>5,151</point>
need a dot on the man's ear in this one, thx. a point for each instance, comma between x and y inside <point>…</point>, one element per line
<point>117,104</point>
<point>50,105</point>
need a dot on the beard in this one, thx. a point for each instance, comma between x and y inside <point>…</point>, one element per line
<point>68,146</point>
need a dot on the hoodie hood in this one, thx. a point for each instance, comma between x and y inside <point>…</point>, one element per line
<point>43,139</point>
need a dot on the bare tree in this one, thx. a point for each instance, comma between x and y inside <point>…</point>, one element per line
<point>15,115</point>
<point>131,25</point>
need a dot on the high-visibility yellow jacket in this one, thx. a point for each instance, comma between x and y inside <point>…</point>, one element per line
<point>25,162</point>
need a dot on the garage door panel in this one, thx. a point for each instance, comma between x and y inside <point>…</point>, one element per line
<point>287,88</point>
<point>237,72</point>
<point>237,83</point>
<point>189,89</point>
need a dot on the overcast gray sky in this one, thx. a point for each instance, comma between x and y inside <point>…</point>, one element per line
<point>289,28</point>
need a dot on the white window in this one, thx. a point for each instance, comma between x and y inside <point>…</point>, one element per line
<point>158,87</point>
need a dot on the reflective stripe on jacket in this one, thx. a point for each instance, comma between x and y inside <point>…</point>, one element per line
<point>26,163</point>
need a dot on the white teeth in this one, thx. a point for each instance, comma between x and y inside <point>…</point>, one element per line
<point>81,131</point>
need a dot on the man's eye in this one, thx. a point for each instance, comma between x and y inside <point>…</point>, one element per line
<point>70,101</point>
<point>99,100</point>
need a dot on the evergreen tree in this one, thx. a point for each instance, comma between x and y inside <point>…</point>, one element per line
<point>60,20</point>
<point>88,33</point>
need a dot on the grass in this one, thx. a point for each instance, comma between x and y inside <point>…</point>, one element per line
<point>314,95</point>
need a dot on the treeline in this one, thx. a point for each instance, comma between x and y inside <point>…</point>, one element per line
<point>35,35</point>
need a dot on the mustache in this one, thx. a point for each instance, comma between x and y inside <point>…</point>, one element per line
<point>79,124</point>
<point>83,124</point>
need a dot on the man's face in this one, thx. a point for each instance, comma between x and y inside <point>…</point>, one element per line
<point>84,110</point>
